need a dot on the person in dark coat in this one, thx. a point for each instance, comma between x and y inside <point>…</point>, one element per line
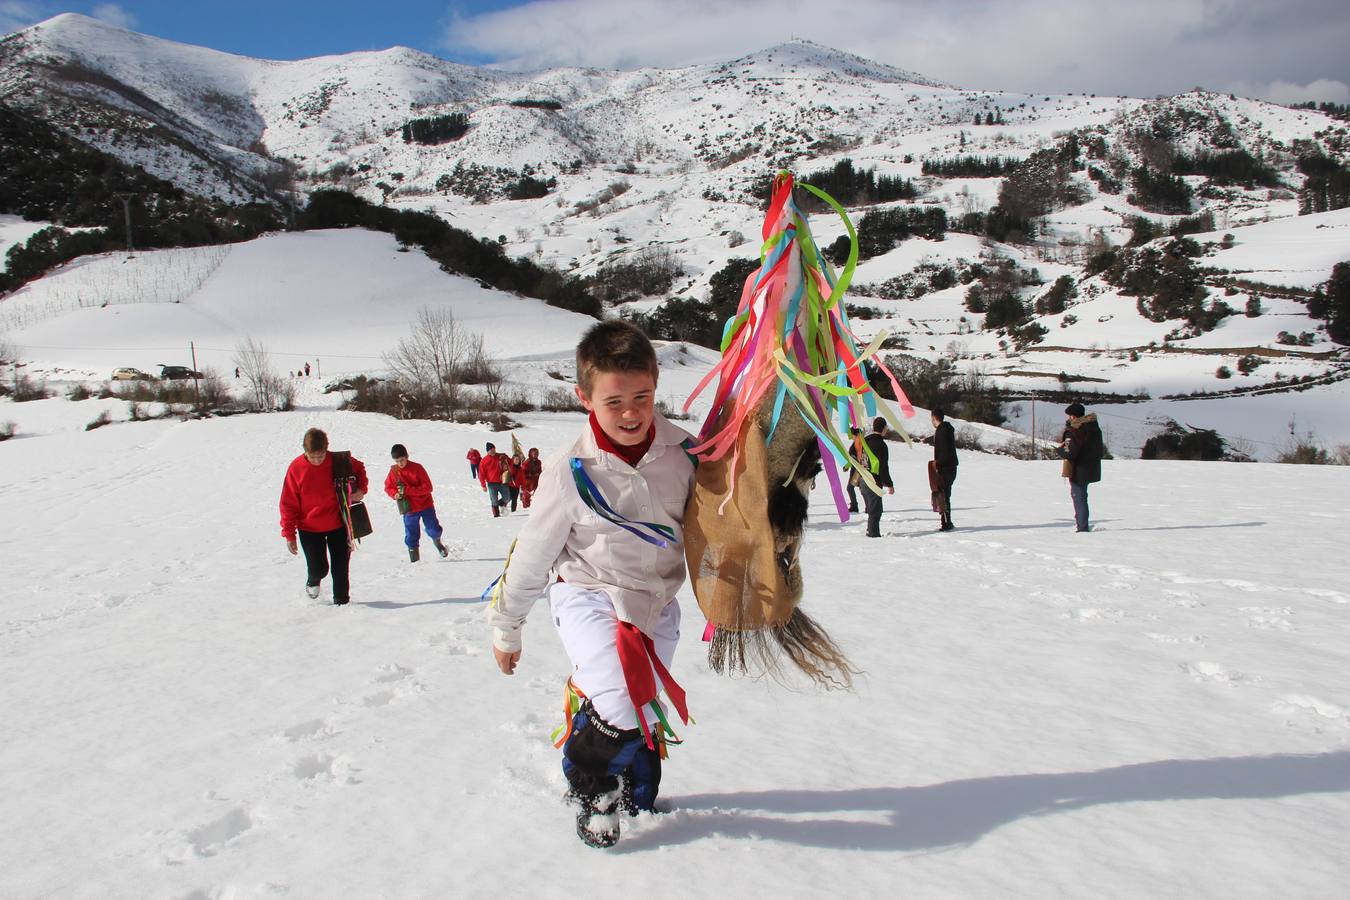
<point>1082,450</point>
<point>881,473</point>
<point>945,460</point>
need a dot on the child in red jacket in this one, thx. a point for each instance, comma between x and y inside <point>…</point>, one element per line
<point>533,468</point>
<point>474,458</point>
<point>494,474</point>
<point>309,506</point>
<point>410,486</point>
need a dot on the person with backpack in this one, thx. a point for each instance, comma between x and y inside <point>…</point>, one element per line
<point>881,473</point>
<point>944,463</point>
<point>474,458</point>
<point>1081,449</point>
<point>312,506</point>
<point>494,474</point>
<point>533,468</point>
<point>410,487</point>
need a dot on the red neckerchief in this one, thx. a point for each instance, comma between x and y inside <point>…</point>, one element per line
<point>629,454</point>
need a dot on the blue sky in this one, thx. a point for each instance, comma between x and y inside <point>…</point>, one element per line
<point>1281,50</point>
<point>285,29</point>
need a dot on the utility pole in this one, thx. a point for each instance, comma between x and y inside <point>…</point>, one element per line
<point>126,217</point>
<point>196,389</point>
<point>1033,428</point>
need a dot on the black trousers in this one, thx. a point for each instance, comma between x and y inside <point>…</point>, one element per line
<point>319,547</point>
<point>948,476</point>
<point>872,503</point>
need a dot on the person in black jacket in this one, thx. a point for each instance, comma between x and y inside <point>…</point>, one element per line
<point>1082,450</point>
<point>944,458</point>
<point>881,473</point>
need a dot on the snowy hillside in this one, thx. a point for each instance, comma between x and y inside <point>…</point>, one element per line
<point>1158,708</point>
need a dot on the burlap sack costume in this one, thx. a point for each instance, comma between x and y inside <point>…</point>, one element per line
<point>790,368</point>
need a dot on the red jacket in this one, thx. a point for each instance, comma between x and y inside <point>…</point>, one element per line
<point>473,455</point>
<point>308,499</point>
<point>534,467</point>
<point>517,472</point>
<point>416,485</point>
<point>494,469</point>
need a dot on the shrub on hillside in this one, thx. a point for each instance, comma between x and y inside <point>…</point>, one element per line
<point>647,273</point>
<point>103,418</point>
<point>1175,441</point>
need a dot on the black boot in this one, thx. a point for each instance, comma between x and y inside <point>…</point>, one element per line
<point>598,818</point>
<point>440,548</point>
<point>414,554</point>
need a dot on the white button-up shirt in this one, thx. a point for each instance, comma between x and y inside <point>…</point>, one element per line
<point>565,536</point>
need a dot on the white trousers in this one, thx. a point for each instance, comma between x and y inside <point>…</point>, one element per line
<point>588,627</point>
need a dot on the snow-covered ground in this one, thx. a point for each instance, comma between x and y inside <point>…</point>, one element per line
<point>1158,708</point>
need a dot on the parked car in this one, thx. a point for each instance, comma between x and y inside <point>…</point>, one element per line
<point>169,373</point>
<point>126,373</point>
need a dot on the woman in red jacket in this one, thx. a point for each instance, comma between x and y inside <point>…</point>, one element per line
<point>410,486</point>
<point>516,466</point>
<point>309,506</point>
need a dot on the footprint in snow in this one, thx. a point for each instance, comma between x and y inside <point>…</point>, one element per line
<point>213,837</point>
<point>390,672</point>
<point>324,767</point>
<point>305,730</point>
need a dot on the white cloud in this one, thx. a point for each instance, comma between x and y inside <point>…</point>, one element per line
<point>1322,89</point>
<point>16,15</point>
<point>1142,48</point>
<point>113,15</point>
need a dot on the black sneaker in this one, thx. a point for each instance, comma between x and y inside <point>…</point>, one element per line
<point>311,591</point>
<point>947,526</point>
<point>340,601</point>
<point>414,554</point>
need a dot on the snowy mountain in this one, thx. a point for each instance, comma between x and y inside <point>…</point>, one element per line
<point>669,160</point>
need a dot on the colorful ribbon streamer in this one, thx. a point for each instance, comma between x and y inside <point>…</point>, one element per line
<point>791,334</point>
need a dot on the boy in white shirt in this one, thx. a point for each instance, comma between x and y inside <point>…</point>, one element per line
<point>608,521</point>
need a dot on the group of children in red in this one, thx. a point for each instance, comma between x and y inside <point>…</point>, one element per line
<point>507,480</point>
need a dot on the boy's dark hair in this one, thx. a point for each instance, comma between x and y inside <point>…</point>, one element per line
<point>490,446</point>
<point>879,425</point>
<point>940,414</point>
<point>398,451</point>
<point>315,440</point>
<point>1075,409</point>
<point>613,346</point>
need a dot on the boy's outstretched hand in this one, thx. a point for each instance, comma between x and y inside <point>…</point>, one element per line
<point>506,661</point>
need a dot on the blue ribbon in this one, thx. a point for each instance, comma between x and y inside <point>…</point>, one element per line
<point>591,496</point>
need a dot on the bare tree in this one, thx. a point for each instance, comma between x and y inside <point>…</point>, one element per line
<point>266,387</point>
<point>429,361</point>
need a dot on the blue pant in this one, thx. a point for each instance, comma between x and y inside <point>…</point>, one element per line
<point>597,753</point>
<point>412,532</point>
<point>1080,504</point>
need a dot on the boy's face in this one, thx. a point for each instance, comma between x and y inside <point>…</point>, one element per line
<point>400,461</point>
<point>624,404</point>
